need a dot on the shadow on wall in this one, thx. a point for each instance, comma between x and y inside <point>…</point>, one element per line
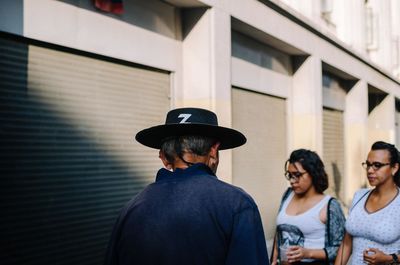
<point>337,178</point>
<point>265,56</point>
<point>153,15</point>
<point>60,193</point>
<point>12,16</point>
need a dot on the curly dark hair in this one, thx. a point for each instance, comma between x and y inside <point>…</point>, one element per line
<point>394,157</point>
<point>314,166</point>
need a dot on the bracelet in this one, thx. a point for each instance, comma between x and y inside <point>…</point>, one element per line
<point>395,258</point>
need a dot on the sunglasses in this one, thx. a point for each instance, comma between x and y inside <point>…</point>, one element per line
<point>294,175</point>
<point>375,165</point>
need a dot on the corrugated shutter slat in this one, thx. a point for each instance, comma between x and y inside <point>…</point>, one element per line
<point>258,165</point>
<point>333,154</point>
<point>69,161</point>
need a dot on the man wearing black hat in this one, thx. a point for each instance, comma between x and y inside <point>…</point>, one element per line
<point>188,216</point>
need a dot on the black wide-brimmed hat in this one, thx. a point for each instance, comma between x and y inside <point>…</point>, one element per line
<point>190,121</point>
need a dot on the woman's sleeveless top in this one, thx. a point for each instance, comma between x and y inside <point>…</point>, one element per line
<point>305,229</point>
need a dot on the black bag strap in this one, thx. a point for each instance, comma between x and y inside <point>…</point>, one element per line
<point>273,250</point>
<point>283,199</point>
<point>328,219</point>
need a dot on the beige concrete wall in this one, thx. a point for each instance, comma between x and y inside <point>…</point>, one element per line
<point>71,26</point>
<point>203,70</point>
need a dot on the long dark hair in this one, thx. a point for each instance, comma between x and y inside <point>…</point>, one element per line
<point>313,164</point>
<point>394,157</point>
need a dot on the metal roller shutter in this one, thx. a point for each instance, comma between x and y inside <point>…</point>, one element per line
<point>258,166</point>
<point>69,161</point>
<point>333,154</point>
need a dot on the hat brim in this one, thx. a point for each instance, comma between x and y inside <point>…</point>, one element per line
<point>154,136</point>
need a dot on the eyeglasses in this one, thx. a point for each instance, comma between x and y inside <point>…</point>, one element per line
<point>295,175</point>
<point>375,165</point>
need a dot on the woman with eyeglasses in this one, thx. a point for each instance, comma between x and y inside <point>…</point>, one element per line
<point>310,224</point>
<point>373,226</point>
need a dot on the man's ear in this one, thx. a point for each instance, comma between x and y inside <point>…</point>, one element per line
<point>395,169</point>
<point>213,158</point>
<point>166,163</point>
<point>214,150</point>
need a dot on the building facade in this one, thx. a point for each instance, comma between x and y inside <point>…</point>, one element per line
<point>77,83</point>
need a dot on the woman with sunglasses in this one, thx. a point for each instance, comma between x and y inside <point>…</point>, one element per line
<point>373,226</point>
<point>310,224</point>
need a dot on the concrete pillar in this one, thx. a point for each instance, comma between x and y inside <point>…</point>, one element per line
<point>382,53</point>
<point>395,24</point>
<point>349,17</point>
<point>206,71</point>
<point>381,122</point>
<point>356,144</point>
<point>306,106</point>
<point>395,21</point>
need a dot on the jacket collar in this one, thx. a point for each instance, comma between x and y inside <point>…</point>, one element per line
<point>196,169</point>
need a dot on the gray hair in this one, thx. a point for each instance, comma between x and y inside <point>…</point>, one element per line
<point>177,146</point>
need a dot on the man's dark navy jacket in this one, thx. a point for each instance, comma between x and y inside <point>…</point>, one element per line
<point>188,217</point>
